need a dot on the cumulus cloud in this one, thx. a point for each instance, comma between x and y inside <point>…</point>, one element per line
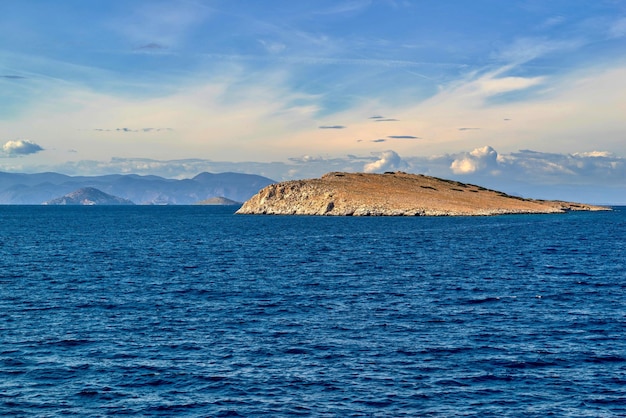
<point>478,160</point>
<point>387,161</point>
<point>21,147</point>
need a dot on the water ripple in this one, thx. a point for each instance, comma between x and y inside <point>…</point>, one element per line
<point>192,311</point>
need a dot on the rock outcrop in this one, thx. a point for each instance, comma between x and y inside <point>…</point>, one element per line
<point>393,194</point>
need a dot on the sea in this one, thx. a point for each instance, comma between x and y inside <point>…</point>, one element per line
<point>194,311</point>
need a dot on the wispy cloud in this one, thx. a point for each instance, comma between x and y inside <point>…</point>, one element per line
<point>126,130</point>
<point>490,85</point>
<point>526,49</point>
<point>160,23</point>
<point>345,7</point>
<point>331,127</point>
<point>403,137</point>
<point>273,47</point>
<point>152,46</point>
<point>618,28</point>
<point>552,22</point>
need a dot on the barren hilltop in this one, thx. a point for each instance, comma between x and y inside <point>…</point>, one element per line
<point>393,194</point>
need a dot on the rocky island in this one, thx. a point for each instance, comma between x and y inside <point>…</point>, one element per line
<point>393,194</point>
<point>88,196</point>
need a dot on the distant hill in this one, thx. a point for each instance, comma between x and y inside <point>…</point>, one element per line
<point>21,188</point>
<point>393,194</point>
<point>88,196</point>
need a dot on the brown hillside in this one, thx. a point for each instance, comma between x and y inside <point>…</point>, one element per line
<point>392,194</point>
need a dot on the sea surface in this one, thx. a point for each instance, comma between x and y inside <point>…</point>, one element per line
<point>194,311</point>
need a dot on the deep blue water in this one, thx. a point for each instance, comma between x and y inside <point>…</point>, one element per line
<point>194,311</point>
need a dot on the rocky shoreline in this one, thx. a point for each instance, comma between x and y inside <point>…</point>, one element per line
<point>394,194</point>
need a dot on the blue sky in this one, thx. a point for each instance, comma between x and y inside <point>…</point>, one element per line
<point>524,95</point>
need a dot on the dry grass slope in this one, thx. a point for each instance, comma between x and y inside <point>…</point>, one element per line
<point>393,194</point>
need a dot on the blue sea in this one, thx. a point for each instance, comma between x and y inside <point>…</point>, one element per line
<point>195,311</point>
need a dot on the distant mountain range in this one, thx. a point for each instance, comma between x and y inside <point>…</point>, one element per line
<point>35,189</point>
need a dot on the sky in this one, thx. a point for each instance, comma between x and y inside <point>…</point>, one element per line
<point>527,96</point>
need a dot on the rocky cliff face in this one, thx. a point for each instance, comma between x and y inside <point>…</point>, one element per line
<point>392,194</point>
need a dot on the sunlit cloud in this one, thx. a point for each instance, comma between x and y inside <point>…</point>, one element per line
<point>21,147</point>
<point>490,85</point>
<point>476,160</point>
<point>387,161</point>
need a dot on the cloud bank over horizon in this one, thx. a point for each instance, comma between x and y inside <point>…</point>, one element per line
<point>525,172</point>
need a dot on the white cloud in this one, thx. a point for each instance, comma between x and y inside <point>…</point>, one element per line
<point>388,161</point>
<point>477,160</point>
<point>594,154</point>
<point>490,86</point>
<point>21,147</point>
